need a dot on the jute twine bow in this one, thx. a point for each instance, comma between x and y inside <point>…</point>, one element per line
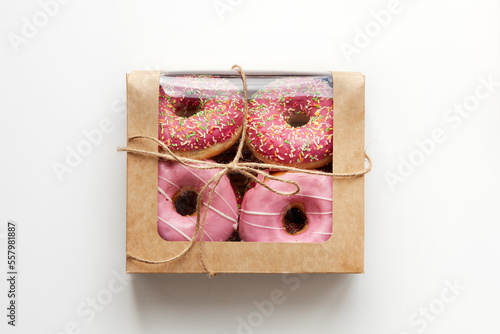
<point>246,168</point>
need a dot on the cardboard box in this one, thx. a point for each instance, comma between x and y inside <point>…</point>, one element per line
<point>342,253</point>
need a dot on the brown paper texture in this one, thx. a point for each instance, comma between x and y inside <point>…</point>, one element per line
<point>342,253</point>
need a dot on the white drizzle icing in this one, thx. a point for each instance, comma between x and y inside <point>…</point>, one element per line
<point>323,233</point>
<point>257,213</point>
<point>175,228</point>
<point>164,194</point>
<point>260,213</point>
<point>317,197</point>
<point>208,235</point>
<point>164,179</point>
<point>220,213</point>
<point>262,226</point>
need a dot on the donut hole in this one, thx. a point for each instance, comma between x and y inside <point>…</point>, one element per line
<point>295,219</point>
<point>188,107</point>
<point>297,119</point>
<point>185,201</point>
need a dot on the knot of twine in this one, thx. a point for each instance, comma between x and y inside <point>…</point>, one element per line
<point>246,168</point>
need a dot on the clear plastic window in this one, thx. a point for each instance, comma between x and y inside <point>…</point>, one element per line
<point>289,123</point>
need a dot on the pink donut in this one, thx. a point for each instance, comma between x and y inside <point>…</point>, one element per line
<point>178,186</point>
<point>289,100</point>
<point>199,116</point>
<point>263,213</point>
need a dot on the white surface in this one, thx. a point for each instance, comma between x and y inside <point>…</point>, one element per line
<point>441,223</point>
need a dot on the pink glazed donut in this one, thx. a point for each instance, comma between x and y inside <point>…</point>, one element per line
<point>178,187</point>
<point>276,133</point>
<point>200,116</point>
<point>265,215</point>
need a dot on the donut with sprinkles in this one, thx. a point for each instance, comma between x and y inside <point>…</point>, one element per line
<point>274,112</point>
<point>199,116</point>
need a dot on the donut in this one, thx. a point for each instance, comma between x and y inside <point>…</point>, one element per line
<point>277,113</point>
<point>199,116</point>
<point>178,188</point>
<point>304,217</point>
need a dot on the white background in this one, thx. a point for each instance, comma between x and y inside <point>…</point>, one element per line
<point>438,225</point>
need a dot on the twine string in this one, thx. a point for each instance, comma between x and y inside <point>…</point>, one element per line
<point>251,170</point>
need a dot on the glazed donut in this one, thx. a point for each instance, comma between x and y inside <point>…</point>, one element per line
<point>274,109</point>
<point>178,188</point>
<point>200,116</point>
<point>303,217</point>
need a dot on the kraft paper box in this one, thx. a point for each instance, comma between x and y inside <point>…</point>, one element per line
<point>342,253</point>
